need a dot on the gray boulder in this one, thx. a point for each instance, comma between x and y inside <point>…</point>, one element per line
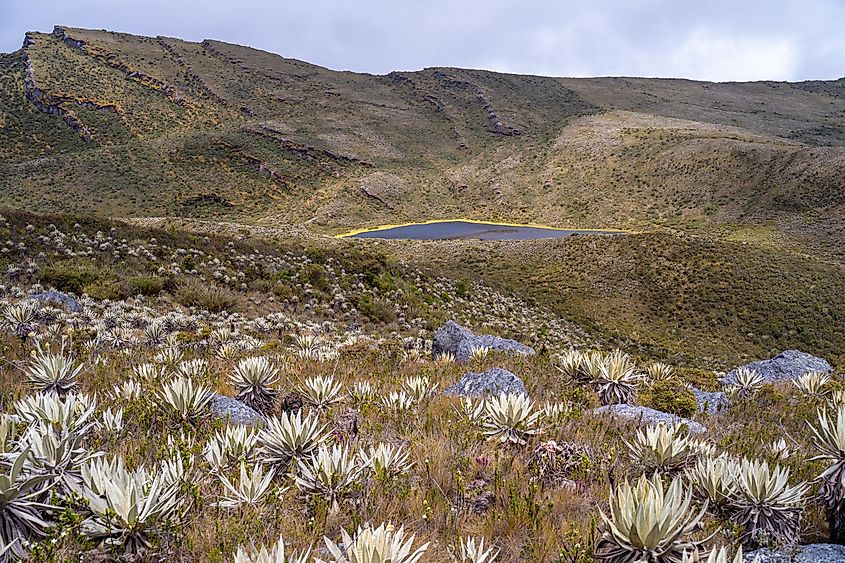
<point>646,415</point>
<point>452,338</point>
<point>711,402</point>
<point>234,411</point>
<point>812,553</point>
<point>790,364</point>
<point>490,382</point>
<point>58,299</point>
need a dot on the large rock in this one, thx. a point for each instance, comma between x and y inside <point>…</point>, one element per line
<point>58,299</point>
<point>646,415</point>
<point>812,553</point>
<point>490,382</point>
<point>234,411</point>
<point>790,364</point>
<point>711,402</point>
<point>454,339</point>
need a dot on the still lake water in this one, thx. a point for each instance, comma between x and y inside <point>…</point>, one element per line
<point>451,230</point>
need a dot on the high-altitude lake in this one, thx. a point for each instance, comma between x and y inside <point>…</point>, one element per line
<point>452,230</point>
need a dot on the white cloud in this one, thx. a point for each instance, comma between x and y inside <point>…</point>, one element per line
<point>714,40</point>
<point>708,55</point>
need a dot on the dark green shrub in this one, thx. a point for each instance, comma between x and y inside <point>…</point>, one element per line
<point>106,289</point>
<point>384,282</point>
<point>769,395</point>
<point>148,286</point>
<point>670,396</point>
<point>462,287</point>
<point>315,274</point>
<point>68,277</point>
<point>188,263</point>
<point>208,297</point>
<point>376,310</point>
<point>703,379</point>
<point>283,291</point>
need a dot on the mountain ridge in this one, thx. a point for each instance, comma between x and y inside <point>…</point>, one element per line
<point>162,126</point>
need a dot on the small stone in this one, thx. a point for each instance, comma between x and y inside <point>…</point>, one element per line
<point>346,424</point>
<point>483,502</point>
<point>291,403</point>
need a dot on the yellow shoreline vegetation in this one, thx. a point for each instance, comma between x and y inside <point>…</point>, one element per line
<point>477,222</point>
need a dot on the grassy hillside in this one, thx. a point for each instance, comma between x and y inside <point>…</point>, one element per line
<point>138,126</point>
<point>689,299</point>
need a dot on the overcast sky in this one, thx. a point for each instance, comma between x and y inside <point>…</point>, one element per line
<point>701,39</point>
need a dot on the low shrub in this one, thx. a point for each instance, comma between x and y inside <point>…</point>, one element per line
<point>208,297</point>
<point>148,286</point>
<point>376,310</point>
<point>671,397</point>
<point>703,379</point>
<point>283,291</point>
<point>68,277</point>
<point>106,289</point>
<point>315,274</point>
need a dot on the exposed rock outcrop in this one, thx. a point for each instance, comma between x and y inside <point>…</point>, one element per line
<point>306,152</point>
<point>206,198</point>
<point>498,125</point>
<point>388,190</point>
<point>711,402</point>
<point>46,102</point>
<point>790,364</point>
<point>252,161</point>
<point>192,77</point>
<point>57,298</point>
<point>113,60</point>
<point>233,411</point>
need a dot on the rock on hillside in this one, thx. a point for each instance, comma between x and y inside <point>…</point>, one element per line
<point>57,298</point>
<point>711,402</point>
<point>649,416</point>
<point>790,364</point>
<point>454,339</point>
<point>490,382</point>
<point>234,411</point>
<point>813,553</point>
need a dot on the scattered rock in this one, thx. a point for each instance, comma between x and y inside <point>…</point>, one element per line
<point>454,339</point>
<point>490,382</point>
<point>389,190</point>
<point>291,403</point>
<point>790,364</point>
<point>483,502</point>
<point>649,416</point>
<point>479,498</point>
<point>59,299</point>
<point>553,463</point>
<point>233,411</point>
<point>346,424</point>
<point>711,402</point>
<point>813,553</point>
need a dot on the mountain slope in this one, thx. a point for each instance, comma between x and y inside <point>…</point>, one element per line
<point>128,125</point>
